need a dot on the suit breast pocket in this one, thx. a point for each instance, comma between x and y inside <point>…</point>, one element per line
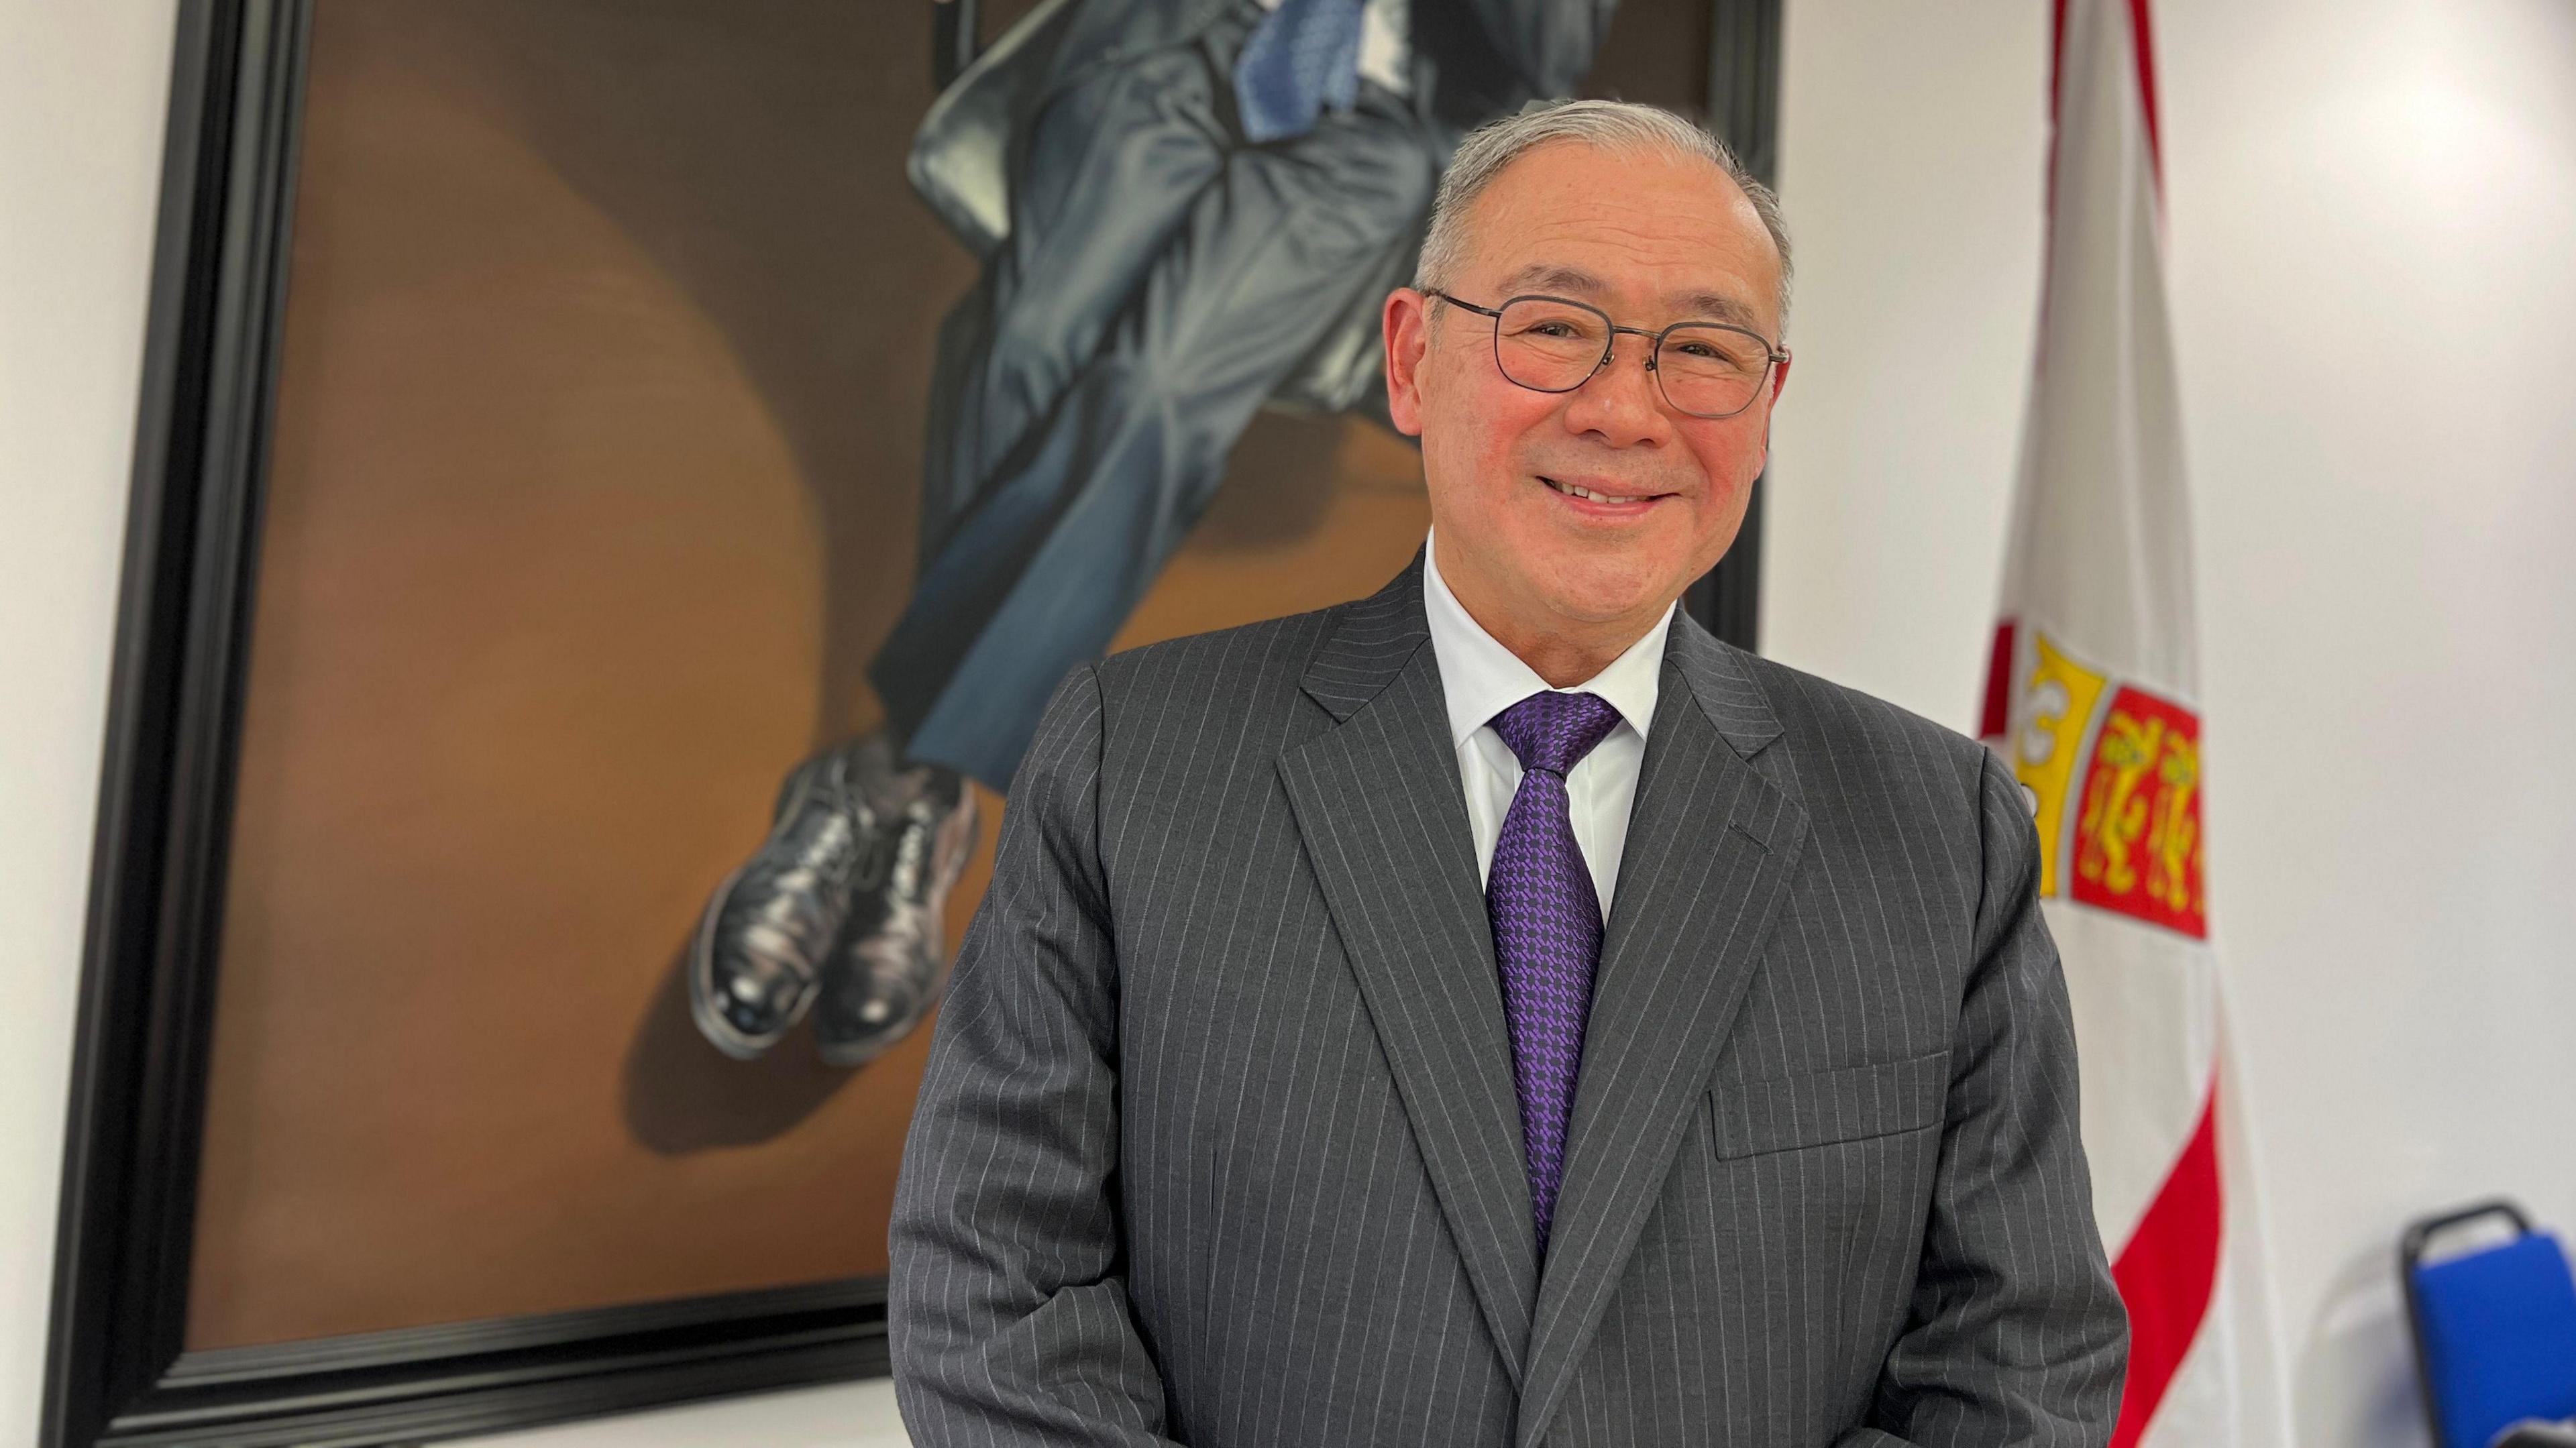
<point>1819,1108</point>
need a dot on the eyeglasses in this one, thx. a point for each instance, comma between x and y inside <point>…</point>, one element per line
<point>1549,344</point>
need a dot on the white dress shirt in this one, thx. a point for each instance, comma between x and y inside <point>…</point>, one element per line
<point>1482,678</point>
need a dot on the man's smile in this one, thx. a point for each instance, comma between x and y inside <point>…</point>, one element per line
<point>1604,500</point>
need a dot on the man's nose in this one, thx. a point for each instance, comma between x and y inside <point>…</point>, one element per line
<point>1621,400</point>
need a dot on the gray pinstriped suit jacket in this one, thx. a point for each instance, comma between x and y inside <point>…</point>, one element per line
<point>1218,1142</point>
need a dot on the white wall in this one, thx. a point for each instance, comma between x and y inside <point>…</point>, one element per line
<point>81,90</point>
<point>845,1415</point>
<point>2372,227</point>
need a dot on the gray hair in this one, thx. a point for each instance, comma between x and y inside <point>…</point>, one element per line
<point>1609,125</point>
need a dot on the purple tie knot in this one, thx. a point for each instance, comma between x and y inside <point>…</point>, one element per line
<point>1553,731</point>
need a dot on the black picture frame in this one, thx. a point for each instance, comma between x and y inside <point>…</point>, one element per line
<point>116,1374</point>
<point>1744,112</point>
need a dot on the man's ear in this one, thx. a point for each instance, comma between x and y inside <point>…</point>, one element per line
<point>1407,327</point>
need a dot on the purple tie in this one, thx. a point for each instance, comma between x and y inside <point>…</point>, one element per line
<point>1547,925</point>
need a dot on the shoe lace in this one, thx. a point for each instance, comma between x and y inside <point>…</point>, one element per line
<point>790,931</point>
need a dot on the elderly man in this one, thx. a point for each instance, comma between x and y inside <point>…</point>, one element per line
<point>1494,1011</point>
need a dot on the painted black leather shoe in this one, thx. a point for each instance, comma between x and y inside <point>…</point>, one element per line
<point>884,980</point>
<point>768,930</point>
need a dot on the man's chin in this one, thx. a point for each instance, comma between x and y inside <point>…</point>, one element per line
<point>1595,601</point>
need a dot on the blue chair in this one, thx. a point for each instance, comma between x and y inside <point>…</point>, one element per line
<point>2495,1328</point>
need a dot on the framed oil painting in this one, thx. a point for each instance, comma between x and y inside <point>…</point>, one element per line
<point>615,481</point>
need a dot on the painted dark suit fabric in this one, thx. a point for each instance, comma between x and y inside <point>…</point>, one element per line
<point>1151,279</point>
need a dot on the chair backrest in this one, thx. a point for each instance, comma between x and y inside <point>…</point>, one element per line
<point>2495,1329</point>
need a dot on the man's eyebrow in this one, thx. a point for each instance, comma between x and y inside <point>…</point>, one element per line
<point>1551,277</point>
<point>1584,286</point>
<point>1710,307</point>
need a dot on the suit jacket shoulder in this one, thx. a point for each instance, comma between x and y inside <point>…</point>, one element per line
<point>1859,738</point>
<point>1221,675</point>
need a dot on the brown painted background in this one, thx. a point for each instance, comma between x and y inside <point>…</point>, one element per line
<point>598,425</point>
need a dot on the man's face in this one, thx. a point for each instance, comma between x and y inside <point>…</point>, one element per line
<point>1650,240</point>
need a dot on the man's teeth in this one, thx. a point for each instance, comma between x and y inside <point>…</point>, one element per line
<point>1571,491</point>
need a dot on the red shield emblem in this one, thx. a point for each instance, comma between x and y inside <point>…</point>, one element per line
<point>2137,841</point>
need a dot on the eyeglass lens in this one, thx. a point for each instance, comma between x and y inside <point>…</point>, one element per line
<point>1552,346</point>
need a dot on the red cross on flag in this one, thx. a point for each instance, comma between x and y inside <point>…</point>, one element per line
<point>2093,698</point>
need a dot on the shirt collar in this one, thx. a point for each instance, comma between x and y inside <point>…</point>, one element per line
<point>1481,678</point>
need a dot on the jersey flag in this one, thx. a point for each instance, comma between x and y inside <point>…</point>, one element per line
<point>2093,698</point>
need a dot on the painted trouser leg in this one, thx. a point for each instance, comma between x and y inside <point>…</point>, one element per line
<point>1112,169</point>
<point>1050,530</point>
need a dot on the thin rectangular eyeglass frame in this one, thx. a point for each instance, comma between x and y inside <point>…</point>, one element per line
<point>1773,353</point>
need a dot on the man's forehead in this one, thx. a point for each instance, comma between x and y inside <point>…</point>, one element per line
<point>1564,280</point>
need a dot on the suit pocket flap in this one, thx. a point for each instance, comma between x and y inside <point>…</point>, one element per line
<point>1812,1108</point>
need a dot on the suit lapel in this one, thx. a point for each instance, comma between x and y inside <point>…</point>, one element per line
<point>1378,801</point>
<point>1710,845</point>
